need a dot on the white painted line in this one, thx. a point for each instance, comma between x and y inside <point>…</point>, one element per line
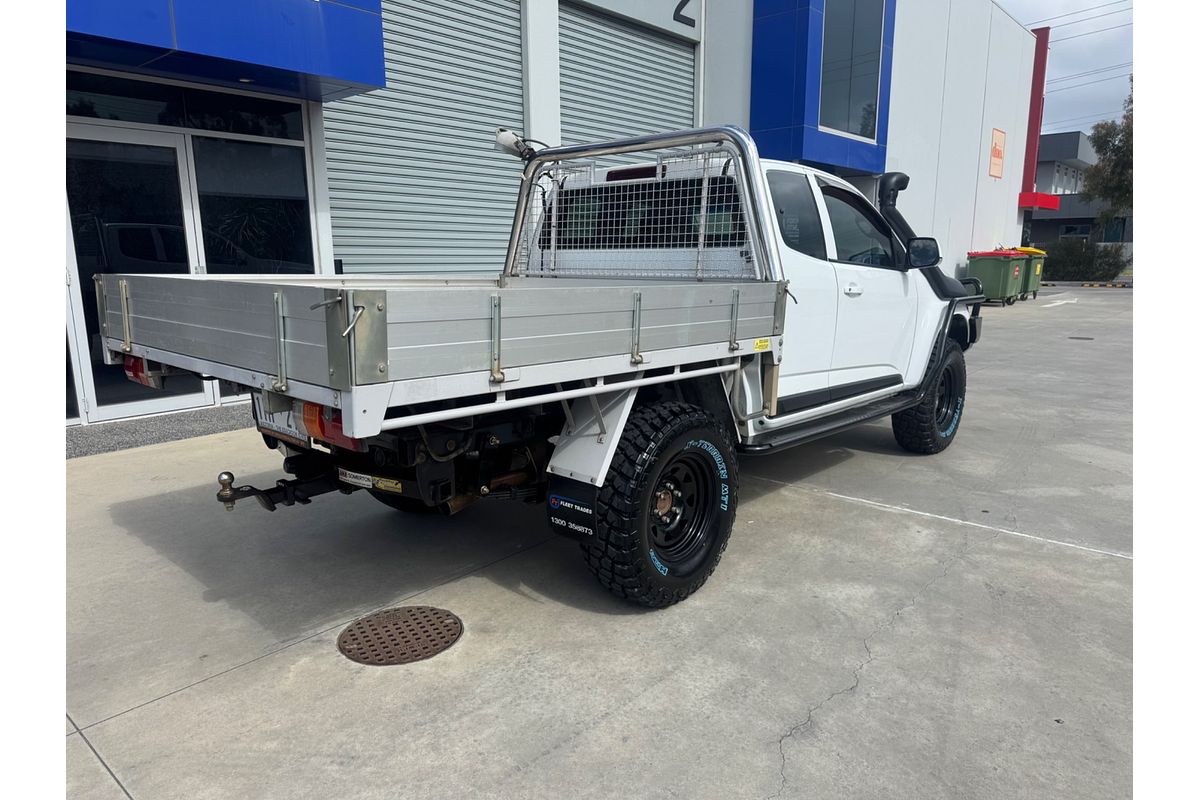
<point>905,510</point>
<point>1061,302</point>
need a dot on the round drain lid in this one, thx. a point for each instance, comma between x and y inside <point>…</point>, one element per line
<point>399,635</point>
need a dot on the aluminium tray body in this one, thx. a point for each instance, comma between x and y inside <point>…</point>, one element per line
<point>422,339</point>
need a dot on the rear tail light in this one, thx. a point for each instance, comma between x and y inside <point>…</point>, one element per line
<point>325,424</point>
<point>138,372</point>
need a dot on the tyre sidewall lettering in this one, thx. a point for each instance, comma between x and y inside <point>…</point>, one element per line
<point>714,452</point>
<point>953,426</point>
<point>631,556</point>
<point>958,364</point>
<point>684,441</point>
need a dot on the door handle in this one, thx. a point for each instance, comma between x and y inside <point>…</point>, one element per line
<point>852,289</point>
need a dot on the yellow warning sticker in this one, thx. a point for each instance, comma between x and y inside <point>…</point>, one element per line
<point>1039,269</point>
<point>370,481</point>
<point>762,344</point>
<point>388,485</point>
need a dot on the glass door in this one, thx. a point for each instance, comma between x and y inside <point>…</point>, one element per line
<point>130,210</point>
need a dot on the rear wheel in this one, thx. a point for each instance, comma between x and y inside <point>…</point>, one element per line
<point>667,507</point>
<point>930,426</point>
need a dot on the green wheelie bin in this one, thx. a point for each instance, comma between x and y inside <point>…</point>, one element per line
<point>1032,281</point>
<point>1000,271</point>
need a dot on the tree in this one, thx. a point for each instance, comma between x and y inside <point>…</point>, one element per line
<point>1110,179</point>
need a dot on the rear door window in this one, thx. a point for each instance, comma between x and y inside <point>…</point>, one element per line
<point>796,213</point>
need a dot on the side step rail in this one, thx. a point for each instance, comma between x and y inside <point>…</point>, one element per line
<point>835,423</point>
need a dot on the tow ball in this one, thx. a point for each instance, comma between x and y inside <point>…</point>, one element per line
<point>299,491</point>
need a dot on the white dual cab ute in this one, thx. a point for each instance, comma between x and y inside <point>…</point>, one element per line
<point>668,303</point>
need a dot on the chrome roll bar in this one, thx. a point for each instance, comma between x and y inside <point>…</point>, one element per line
<point>748,166</point>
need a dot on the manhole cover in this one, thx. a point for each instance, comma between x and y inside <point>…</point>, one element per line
<point>399,635</point>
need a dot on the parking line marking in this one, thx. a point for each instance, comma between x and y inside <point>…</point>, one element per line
<point>889,507</point>
<point>1061,302</point>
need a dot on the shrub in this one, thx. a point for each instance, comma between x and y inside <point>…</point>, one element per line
<point>1081,260</point>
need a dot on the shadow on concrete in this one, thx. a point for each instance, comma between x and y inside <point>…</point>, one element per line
<point>299,570</point>
<point>796,464</point>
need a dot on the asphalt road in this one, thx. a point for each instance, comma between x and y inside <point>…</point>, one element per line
<point>882,625</point>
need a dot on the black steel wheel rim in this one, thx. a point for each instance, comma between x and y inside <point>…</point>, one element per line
<point>683,511</point>
<point>947,397</point>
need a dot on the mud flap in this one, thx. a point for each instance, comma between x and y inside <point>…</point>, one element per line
<point>571,508</point>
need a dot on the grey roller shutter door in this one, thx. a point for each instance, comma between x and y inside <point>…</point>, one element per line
<point>414,184</point>
<point>621,79</point>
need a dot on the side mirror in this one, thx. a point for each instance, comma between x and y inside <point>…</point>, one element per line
<point>923,251</point>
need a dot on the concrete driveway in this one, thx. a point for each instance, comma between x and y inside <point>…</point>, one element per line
<point>882,625</point>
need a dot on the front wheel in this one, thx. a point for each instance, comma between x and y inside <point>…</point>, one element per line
<point>931,425</point>
<point>666,510</point>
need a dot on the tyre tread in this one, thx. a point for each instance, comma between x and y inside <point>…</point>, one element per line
<point>916,428</point>
<point>614,558</point>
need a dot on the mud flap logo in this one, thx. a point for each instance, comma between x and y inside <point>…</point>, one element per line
<point>571,508</point>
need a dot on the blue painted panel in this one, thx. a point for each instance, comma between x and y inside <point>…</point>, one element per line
<point>785,112</point>
<point>808,66</point>
<point>319,50</point>
<point>765,8</point>
<point>374,6</point>
<point>774,143</point>
<point>320,39</point>
<point>885,78</point>
<point>772,71</point>
<point>143,21</point>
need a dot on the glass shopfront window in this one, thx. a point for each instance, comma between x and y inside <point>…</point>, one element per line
<point>253,207</point>
<point>169,178</point>
<point>124,100</point>
<point>851,58</point>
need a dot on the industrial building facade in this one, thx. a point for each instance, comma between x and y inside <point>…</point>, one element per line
<point>239,136</point>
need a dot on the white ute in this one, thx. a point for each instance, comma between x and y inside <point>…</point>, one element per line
<point>668,303</point>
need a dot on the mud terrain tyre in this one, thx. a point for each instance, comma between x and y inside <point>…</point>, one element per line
<point>931,426</point>
<point>667,507</point>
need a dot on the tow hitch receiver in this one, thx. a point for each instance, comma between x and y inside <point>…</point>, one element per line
<point>299,491</point>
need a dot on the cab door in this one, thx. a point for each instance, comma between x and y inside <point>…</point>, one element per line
<point>808,332</point>
<point>876,298</point>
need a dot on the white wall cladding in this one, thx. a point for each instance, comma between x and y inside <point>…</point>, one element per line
<point>960,68</point>
<point>619,79</point>
<point>414,184</point>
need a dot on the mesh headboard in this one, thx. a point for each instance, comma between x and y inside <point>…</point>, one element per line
<point>678,214</point>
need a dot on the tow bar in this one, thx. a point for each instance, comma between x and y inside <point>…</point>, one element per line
<point>298,491</point>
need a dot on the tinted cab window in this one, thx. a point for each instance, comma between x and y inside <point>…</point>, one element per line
<point>796,213</point>
<point>858,237</point>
